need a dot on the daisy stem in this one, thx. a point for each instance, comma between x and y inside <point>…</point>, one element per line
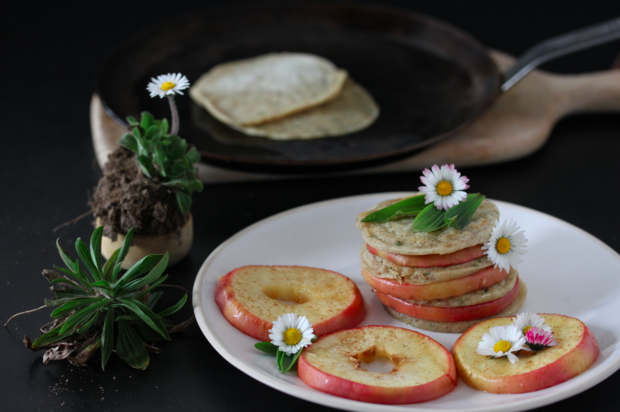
<point>175,115</point>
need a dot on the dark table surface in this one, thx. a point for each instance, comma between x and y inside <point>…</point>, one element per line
<point>47,170</point>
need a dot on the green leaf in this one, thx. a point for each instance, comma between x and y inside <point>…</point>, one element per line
<point>267,347</point>
<point>72,265</point>
<point>184,201</point>
<point>85,257</point>
<point>72,293</point>
<point>153,299</point>
<point>142,266</point>
<point>152,276</point>
<point>146,120</point>
<point>132,121</point>
<point>73,305</point>
<point>146,165</point>
<point>84,278</point>
<point>153,133</point>
<point>123,253</point>
<point>279,356</point>
<point>129,142</point>
<point>130,347</point>
<point>463,212</point>
<point>151,287</point>
<point>68,282</point>
<point>89,324</point>
<point>173,309</point>
<point>107,337</point>
<point>193,156</point>
<point>76,318</point>
<point>407,207</point>
<point>289,360</point>
<point>430,219</point>
<point>146,315</point>
<point>95,249</point>
<point>50,337</point>
<point>108,268</point>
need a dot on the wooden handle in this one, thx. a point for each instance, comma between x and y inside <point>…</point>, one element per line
<point>591,92</point>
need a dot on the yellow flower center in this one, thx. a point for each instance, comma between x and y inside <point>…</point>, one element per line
<point>503,245</point>
<point>502,346</point>
<point>167,85</point>
<point>292,336</point>
<point>444,188</point>
<point>525,329</point>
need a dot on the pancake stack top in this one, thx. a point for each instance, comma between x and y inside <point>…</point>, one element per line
<point>440,280</point>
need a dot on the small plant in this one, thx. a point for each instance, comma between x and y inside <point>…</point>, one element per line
<point>102,307</point>
<point>164,157</point>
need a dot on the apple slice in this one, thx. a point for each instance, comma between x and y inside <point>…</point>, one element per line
<point>450,314</point>
<point>439,290</point>
<point>252,297</point>
<point>575,352</point>
<point>423,369</point>
<point>429,261</point>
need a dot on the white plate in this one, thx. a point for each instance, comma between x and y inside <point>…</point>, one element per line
<point>567,271</point>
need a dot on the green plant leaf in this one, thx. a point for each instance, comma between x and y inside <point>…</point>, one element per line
<point>76,318</point>
<point>72,265</point>
<point>50,337</point>
<point>132,121</point>
<point>85,257</point>
<point>129,142</point>
<point>193,156</point>
<point>89,324</point>
<point>407,207</point>
<point>123,253</point>
<point>184,201</point>
<point>146,165</point>
<point>146,120</point>
<point>130,347</point>
<point>151,287</point>
<point>108,268</point>
<point>279,356</point>
<point>142,266</point>
<point>463,212</point>
<point>84,278</point>
<point>72,293</point>
<point>289,360</point>
<point>151,277</point>
<point>429,219</point>
<point>73,305</point>
<point>107,337</point>
<point>146,315</point>
<point>173,309</point>
<point>95,249</point>
<point>153,299</point>
<point>267,347</point>
<point>68,282</point>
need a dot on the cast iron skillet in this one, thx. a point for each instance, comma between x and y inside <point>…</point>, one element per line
<point>430,79</point>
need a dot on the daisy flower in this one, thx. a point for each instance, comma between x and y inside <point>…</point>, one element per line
<point>443,186</point>
<point>291,333</point>
<point>502,341</point>
<point>506,246</point>
<point>525,321</point>
<point>167,85</point>
<point>538,339</point>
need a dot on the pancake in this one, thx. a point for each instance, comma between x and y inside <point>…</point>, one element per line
<point>459,327</point>
<point>262,89</point>
<point>385,269</point>
<point>397,236</point>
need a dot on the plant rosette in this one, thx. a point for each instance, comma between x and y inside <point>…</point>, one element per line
<point>104,307</point>
<point>289,336</point>
<point>148,183</point>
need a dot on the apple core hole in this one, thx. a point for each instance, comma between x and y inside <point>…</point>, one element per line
<point>286,295</point>
<point>379,364</point>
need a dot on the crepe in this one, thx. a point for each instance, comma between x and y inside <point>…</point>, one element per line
<point>262,89</point>
<point>397,236</point>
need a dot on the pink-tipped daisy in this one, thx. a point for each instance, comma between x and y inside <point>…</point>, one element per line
<point>443,186</point>
<point>167,85</point>
<point>537,339</point>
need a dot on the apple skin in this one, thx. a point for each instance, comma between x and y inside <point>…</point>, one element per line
<point>258,328</point>
<point>451,314</point>
<point>344,388</point>
<point>429,261</point>
<point>571,364</point>
<point>439,290</point>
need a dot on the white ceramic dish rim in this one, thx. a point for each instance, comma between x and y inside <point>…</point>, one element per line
<point>601,373</point>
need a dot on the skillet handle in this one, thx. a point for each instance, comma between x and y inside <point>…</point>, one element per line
<point>559,46</point>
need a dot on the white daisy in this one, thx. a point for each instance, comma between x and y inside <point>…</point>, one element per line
<point>526,321</point>
<point>167,84</point>
<point>506,246</point>
<point>443,186</point>
<point>502,341</point>
<point>291,333</point>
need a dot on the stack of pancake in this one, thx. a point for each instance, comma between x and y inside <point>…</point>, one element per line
<point>440,281</point>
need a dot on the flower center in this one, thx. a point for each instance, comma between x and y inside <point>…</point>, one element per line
<point>503,245</point>
<point>502,346</point>
<point>167,85</point>
<point>292,336</point>
<point>444,188</point>
<point>526,329</point>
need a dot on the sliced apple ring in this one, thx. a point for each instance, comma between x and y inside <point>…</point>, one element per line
<point>440,290</point>
<point>575,352</point>
<point>457,314</point>
<point>423,368</point>
<point>252,297</point>
<point>459,326</point>
<point>429,261</point>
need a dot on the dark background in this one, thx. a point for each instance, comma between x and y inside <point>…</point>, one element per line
<point>50,55</point>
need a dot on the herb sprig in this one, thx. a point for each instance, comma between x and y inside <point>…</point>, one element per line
<point>284,361</point>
